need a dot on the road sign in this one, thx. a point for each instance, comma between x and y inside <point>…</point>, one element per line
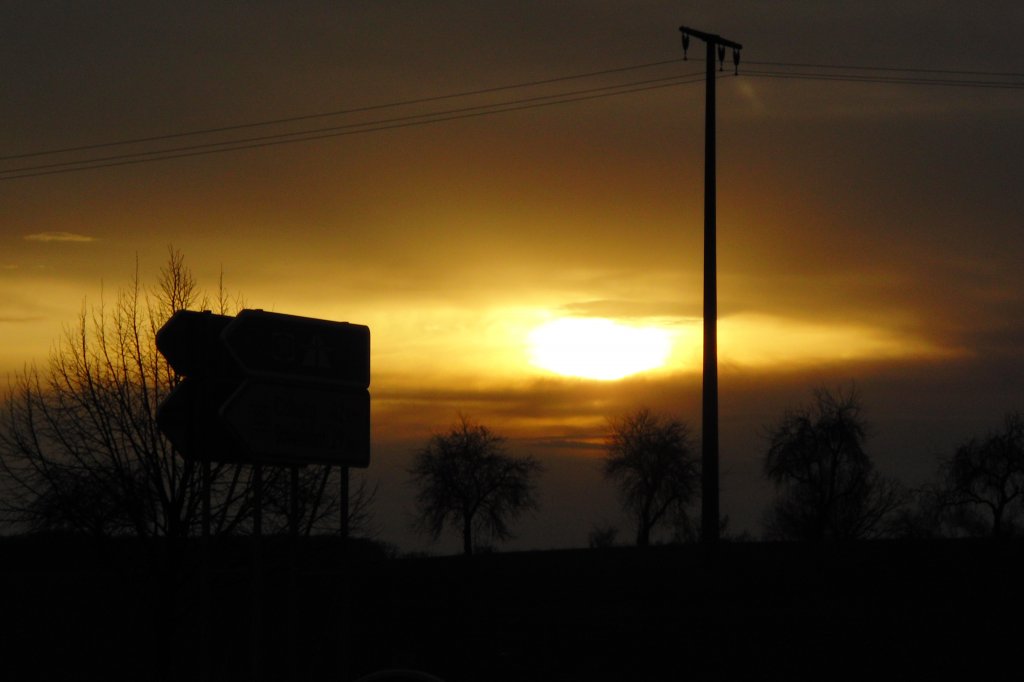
<point>300,347</point>
<point>267,387</point>
<point>189,418</point>
<point>286,422</point>
<point>190,342</point>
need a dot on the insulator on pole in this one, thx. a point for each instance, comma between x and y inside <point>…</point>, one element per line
<point>721,57</point>
<point>686,44</point>
<point>736,61</point>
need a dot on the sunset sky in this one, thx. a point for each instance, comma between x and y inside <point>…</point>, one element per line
<point>869,232</point>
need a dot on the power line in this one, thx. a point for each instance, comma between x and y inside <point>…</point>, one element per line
<point>782,70</point>
<point>301,134</point>
<point>851,67</point>
<point>348,129</point>
<point>854,78</point>
<point>341,112</point>
<point>498,88</point>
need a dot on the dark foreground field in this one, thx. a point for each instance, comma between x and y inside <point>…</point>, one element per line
<point>72,609</point>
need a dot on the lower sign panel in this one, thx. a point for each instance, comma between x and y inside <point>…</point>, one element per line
<point>188,418</point>
<point>295,423</point>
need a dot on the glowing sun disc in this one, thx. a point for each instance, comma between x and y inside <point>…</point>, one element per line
<point>597,348</point>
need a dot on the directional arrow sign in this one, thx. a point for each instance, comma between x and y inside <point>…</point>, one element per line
<point>188,417</point>
<point>190,341</point>
<point>267,387</point>
<point>289,422</point>
<point>292,347</point>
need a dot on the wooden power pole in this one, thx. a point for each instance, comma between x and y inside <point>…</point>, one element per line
<point>709,520</point>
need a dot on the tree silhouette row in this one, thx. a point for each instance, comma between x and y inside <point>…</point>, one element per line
<point>80,451</point>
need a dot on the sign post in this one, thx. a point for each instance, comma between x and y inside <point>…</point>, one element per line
<point>266,388</point>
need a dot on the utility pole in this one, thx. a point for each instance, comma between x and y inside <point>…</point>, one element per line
<point>709,519</point>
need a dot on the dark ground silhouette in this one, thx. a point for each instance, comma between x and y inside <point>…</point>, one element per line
<point>73,609</point>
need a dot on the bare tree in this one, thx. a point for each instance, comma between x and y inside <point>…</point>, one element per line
<point>466,480</point>
<point>80,448</point>
<point>82,429</point>
<point>981,492</point>
<point>827,486</point>
<point>318,505</point>
<point>602,536</point>
<point>651,459</point>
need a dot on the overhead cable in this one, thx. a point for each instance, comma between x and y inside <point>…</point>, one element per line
<point>152,151</point>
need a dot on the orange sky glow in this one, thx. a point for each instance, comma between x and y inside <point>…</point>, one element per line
<point>868,232</point>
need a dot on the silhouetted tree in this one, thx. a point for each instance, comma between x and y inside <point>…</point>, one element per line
<point>651,460</point>
<point>80,449</point>
<point>318,504</point>
<point>982,487</point>
<point>602,536</point>
<point>465,479</point>
<point>827,487</point>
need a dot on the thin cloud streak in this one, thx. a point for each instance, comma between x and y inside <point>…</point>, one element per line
<point>58,237</point>
<point>20,320</point>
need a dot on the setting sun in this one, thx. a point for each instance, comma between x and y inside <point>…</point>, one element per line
<point>597,348</point>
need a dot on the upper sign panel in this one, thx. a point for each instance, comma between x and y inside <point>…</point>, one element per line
<point>300,347</point>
